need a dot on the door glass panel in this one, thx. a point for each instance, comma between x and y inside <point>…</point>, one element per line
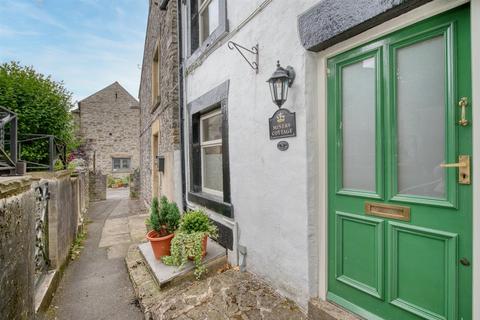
<point>421,118</point>
<point>358,125</point>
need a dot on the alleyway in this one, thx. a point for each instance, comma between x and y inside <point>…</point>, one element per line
<point>96,285</point>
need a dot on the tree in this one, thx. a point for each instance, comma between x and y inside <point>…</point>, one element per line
<point>42,105</point>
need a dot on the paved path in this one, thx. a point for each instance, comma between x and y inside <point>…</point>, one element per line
<point>96,285</point>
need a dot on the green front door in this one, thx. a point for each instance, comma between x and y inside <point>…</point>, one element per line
<point>400,222</point>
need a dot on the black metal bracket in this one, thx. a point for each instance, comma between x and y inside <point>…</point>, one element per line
<point>253,64</point>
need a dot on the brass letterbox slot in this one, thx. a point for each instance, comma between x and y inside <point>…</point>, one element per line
<point>389,211</point>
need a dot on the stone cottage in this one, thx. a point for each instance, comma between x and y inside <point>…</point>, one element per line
<point>109,129</point>
<point>160,162</point>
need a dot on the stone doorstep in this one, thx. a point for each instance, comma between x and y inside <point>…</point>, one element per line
<point>324,310</point>
<point>164,274</point>
<point>45,290</point>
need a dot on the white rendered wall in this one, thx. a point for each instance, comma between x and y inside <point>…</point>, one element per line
<point>268,187</point>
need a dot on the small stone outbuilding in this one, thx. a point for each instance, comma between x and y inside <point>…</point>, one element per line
<point>109,130</point>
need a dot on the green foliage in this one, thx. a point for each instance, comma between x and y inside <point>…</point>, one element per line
<point>183,246</point>
<point>42,104</point>
<point>170,213</point>
<point>164,217</point>
<point>194,226</point>
<point>58,165</point>
<point>197,221</point>
<point>113,182</point>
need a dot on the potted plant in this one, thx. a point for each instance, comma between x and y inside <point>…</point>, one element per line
<point>163,222</point>
<point>191,240</point>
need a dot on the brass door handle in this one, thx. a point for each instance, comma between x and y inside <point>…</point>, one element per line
<point>453,165</point>
<point>463,103</point>
<point>463,166</point>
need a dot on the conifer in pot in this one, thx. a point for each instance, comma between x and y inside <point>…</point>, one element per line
<point>163,221</point>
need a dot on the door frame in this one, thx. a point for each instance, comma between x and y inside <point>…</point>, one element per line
<point>428,10</point>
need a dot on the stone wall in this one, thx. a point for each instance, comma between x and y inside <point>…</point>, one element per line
<point>20,293</point>
<point>64,213</point>
<point>164,120</point>
<point>135,184</point>
<point>17,242</point>
<point>109,127</point>
<point>97,186</point>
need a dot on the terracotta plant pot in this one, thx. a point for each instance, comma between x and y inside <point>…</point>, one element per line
<point>160,245</point>
<point>204,247</point>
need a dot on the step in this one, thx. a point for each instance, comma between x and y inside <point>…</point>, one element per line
<point>164,274</point>
<point>324,310</point>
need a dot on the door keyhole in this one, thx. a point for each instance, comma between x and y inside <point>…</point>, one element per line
<point>464,261</point>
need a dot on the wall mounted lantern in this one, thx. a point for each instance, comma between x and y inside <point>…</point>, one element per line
<point>279,83</point>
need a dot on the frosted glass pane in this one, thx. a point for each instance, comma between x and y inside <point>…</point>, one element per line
<point>358,123</point>
<point>421,118</point>
<point>212,168</point>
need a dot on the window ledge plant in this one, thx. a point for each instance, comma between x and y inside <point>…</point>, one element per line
<point>163,221</point>
<point>190,241</point>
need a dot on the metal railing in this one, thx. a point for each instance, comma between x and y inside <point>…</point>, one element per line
<point>42,261</point>
<point>56,151</point>
<point>8,125</point>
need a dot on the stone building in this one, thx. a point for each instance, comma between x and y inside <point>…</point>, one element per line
<point>159,116</point>
<point>109,129</point>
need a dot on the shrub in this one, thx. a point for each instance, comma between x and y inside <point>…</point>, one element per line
<point>164,216</point>
<point>197,221</point>
<point>43,107</point>
<point>194,226</point>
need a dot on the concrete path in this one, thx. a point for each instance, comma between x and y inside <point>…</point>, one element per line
<point>96,285</point>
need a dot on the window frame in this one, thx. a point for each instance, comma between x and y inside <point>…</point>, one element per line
<point>204,45</point>
<point>155,82</point>
<point>210,143</point>
<point>202,8</point>
<point>215,100</point>
<point>122,161</point>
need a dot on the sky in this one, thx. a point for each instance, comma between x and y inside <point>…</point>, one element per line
<point>87,44</point>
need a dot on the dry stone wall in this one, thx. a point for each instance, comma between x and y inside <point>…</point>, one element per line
<point>17,239</point>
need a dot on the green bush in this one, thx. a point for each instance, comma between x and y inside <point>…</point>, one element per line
<point>196,221</point>
<point>187,243</point>
<point>43,107</point>
<point>164,216</point>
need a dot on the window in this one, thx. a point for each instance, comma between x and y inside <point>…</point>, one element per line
<point>207,22</point>
<point>211,153</point>
<point>208,13</point>
<point>209,183</point>
<point>156,77</point>
<point>120,164</point>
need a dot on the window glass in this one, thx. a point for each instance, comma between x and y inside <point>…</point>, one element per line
<point>116,163</point>
<point>209,17</point>
<point>420,102</point>
<point>358,125</point>
<point>212,128</point>
<point>212,168</point>
<point>121,163</point>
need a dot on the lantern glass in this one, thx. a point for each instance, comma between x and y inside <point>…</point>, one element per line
<point>279,91</point>
<point>279,83</point>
